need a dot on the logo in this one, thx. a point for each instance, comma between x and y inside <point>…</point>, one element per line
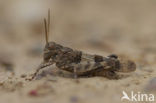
<point>137,97</point>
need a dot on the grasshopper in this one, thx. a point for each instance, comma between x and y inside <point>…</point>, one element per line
<point>80,63</point>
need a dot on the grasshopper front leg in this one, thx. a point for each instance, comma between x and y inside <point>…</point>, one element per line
<point>41,66</point>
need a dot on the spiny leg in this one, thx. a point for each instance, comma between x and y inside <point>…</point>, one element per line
<point>41,67</point>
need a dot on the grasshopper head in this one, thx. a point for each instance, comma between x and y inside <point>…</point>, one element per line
<point>51,50</point>
<point>48,51</point>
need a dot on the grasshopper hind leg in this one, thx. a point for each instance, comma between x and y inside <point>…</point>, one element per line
<point>111,75</point>
<point>108,74</point>
<point>101,73</point>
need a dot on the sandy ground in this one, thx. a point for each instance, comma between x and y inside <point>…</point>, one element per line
<point>123,27</point>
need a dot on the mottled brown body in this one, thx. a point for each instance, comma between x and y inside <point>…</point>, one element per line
<point>80,63</point>
<point>69,59</point>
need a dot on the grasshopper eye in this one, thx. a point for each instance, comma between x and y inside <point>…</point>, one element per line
<point>50,46</point>
<point>47,46</point>
<point>47,53</point>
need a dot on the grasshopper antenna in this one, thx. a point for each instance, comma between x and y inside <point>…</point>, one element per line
<point>47,27</point>
<point>48,21</point>
<point>46,32</point>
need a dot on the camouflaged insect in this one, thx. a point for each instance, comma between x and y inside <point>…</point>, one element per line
<point>80,63</point>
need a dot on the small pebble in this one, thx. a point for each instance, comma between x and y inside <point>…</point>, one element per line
<point>23,75</point>
<point>151,86</point>
<point>33,93</point>
<point>74,99</point>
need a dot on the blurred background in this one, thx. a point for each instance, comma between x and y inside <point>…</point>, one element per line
<point>123,27</point>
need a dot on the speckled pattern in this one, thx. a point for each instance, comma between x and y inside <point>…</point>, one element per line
<point>103,27</point>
